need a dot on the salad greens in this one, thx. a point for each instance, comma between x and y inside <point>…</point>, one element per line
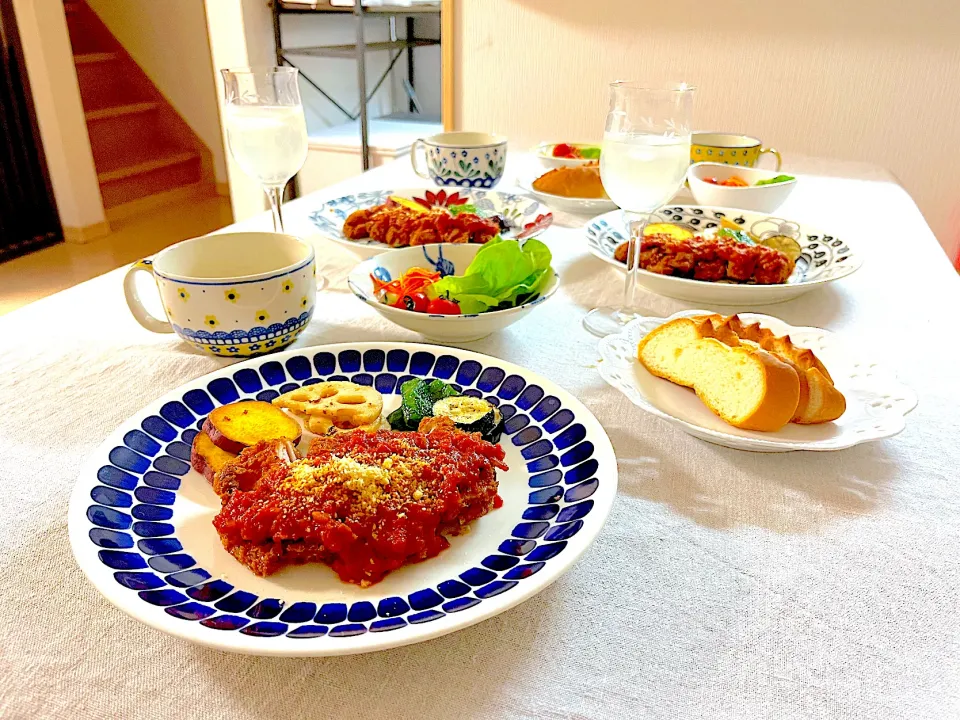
<point>504,273</point>
<point>777,179</point>
<point>589,153</point>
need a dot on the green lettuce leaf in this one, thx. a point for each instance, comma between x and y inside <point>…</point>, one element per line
<point>777,179</point>
<point>590,153</point>
<point>503,274</point>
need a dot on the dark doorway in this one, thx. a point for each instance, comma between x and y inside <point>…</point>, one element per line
<point>28,213</point>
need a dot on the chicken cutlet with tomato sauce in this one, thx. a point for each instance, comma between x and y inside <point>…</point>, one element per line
<point>398,226</point>
<point>711,259</point>
<point>363,503</point>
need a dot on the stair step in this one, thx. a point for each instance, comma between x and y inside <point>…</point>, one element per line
<point>151,178</point>
<point>147,166</point>
<point>94,57</point>
<point>120,110</point>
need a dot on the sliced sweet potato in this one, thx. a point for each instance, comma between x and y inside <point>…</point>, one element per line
<point>206,458</point>
<point>242,424</point>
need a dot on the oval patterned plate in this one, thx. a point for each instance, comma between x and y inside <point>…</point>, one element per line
<point>877,402</point>
<point>524,216</point>
<point>824,258</point>
<point>140,516</point>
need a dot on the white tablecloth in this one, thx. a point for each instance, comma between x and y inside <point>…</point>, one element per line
<point>725,584</point>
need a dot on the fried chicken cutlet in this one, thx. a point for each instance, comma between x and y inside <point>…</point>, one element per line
<point>398,226</point>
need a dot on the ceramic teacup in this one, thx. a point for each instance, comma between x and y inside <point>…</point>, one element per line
<point>231,294</point>
<point>728,149</point>
<point>462,159</point>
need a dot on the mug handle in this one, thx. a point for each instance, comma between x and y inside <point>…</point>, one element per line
<point>140,313</point>
<point>413,159</point>
<point>775,154</point>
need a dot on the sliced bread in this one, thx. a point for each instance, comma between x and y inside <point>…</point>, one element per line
<point>747,387</point>
<point>820,401</point>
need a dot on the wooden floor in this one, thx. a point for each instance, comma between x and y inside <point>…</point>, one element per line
<point>56,268</point>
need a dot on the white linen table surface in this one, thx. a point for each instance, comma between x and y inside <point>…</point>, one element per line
<point>725,584</point>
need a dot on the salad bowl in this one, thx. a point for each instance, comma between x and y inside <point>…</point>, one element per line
<point>445,259</point>
<point>755,197</point>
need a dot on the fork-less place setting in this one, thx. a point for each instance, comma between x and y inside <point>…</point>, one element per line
<point>341,498</point>
<point>559,392</point>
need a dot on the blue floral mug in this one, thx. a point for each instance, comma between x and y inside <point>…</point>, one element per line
<point>230,294</point>
<point>461,159</point>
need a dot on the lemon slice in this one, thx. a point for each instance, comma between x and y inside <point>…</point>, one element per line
<point>724,223</point>
<point>787,245</point>
<point>408,203</point>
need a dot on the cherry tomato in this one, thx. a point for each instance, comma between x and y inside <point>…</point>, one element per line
<point>442,306</point>
<point>712,181</point>
<point>562,150</point>
<point>416,302</point>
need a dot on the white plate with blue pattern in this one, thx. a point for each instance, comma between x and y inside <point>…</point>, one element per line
<point>824,258</point>
<point>523,216</point>
<point>140,518</point>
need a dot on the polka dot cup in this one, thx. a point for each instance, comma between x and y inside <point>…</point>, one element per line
<point>230,294</point>
<point>729,149</point>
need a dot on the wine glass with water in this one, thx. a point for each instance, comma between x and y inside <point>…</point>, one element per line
<point>645,156</point>
<point>266,130</point>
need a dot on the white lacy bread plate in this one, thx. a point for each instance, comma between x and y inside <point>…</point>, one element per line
<point>824,257</point>
<point>876,402</point>
<point>140,516</point>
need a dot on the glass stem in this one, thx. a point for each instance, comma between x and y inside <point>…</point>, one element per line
<point>275,193</point>
<point>635,223</point>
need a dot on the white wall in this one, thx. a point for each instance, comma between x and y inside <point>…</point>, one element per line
<point>867,80</point>
<point>56,100</point>
<point>168,40</point>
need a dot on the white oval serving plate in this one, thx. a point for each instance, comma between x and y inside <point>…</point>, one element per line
<point>524,216</point>
<point>824,258</point>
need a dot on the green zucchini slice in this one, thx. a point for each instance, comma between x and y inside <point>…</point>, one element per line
<point>470,414</point>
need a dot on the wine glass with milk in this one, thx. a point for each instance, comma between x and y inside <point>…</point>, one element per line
<point>644,159</point>
<point>266,130</point>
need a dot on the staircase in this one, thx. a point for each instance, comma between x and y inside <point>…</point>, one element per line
<point>144,152</point>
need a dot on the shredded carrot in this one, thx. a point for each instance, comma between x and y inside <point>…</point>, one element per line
<point>412,281</point>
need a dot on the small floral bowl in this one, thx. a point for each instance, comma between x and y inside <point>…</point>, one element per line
<point>447,259</point>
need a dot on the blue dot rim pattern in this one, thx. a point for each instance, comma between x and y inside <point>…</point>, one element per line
<point>824,257</point>
<point>144,569</point>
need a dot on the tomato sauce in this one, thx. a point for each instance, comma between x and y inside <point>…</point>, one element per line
<point>364,503</point>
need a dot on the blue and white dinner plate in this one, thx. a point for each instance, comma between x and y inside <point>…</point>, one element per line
<point>824,257</point>
<point>524,216</point>
<point>140,517</point>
